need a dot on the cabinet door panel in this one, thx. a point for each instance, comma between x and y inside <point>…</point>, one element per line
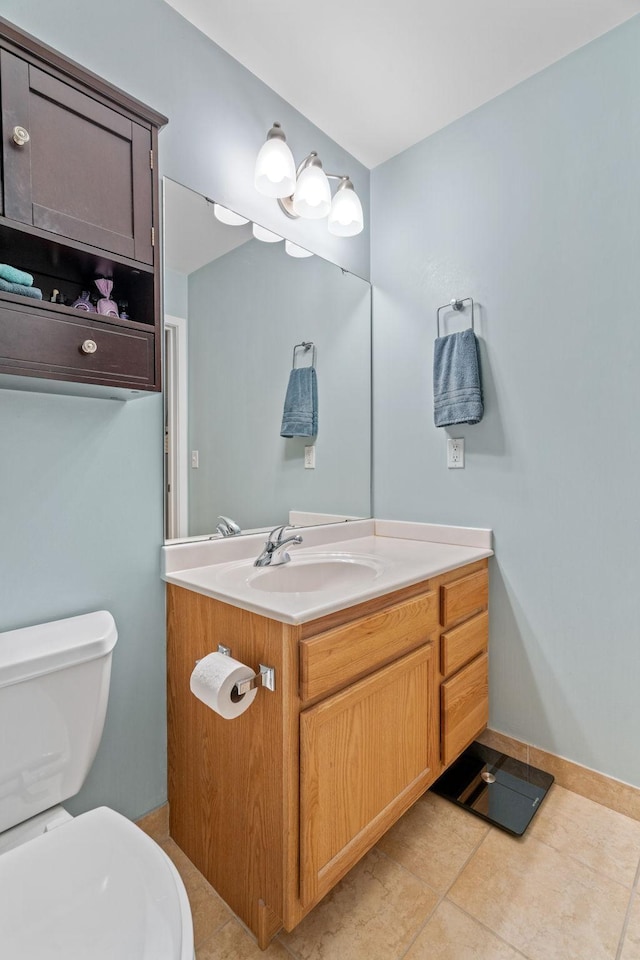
<point>83,167</point>
<point>465,707</point>
<point>366,754</point>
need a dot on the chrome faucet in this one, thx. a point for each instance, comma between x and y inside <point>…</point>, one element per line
<point>273,554</point>
<point>228,527</point>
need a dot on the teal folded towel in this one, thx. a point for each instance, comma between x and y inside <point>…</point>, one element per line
<point>457,385</point>
<point>13,275</point>
<point>20,289</point>
<point>300,415</point>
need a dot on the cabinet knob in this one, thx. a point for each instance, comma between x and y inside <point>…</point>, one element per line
<point>89,346</point>
<point>21,136</point>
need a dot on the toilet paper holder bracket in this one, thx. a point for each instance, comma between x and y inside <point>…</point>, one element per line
<point>266,677</point>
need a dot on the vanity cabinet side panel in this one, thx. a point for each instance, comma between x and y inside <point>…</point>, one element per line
<point>227,778</point>
<point>366,754</point>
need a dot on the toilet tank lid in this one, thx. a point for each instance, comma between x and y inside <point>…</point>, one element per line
<point>47,647</point>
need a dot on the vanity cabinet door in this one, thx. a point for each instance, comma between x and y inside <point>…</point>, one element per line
<point>366,754</point>
<point>465,707</point>
<point>85,171</point>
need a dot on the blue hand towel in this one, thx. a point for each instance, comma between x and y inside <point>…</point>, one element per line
<point>457,387</point>
<point>13,275</point>
<point>300,416</point>
<point>21,290</point>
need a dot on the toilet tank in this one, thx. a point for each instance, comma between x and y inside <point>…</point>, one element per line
<point>54,686</point>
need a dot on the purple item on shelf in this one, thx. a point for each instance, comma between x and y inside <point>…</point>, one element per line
<point>83,303</point>
<point>106,307</point>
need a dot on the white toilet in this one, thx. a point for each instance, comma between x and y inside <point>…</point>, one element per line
<point>93,887</point>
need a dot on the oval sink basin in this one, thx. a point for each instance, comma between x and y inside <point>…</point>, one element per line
<point>308,574</point>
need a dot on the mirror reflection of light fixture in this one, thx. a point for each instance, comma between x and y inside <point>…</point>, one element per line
<point>227,216</point>
<point>267,236</point>
<point>295,251</point>
<point>306,192</point>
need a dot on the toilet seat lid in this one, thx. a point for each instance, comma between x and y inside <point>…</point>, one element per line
<point>96,887</point>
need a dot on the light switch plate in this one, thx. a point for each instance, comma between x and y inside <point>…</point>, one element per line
<point>310,458</point>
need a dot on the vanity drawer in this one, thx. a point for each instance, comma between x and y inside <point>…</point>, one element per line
<point>463,643</point>
<point>51,345</point>
<point>336,658</point>
<point>462,598</point>
<point>465,707</point>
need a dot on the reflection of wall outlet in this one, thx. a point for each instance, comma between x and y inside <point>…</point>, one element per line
<point>195,459</point>
<point>310,458</point>
<point>455,453</point>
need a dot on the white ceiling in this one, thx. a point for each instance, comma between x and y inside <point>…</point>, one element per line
<point>379,75</point>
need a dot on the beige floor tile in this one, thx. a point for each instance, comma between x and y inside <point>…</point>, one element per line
<point>156,823</point>
<point>603,839</point>
<point>631,948</point>
<point>373,913</point>
<point>434,839</point>
<point>232,942</point>
<point>452,935</point>
<point>545,904</point>
<point>208,910</point>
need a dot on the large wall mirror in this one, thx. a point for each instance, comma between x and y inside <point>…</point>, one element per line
<point>235,309</point>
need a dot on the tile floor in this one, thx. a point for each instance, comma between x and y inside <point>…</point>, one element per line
<point>443,885</point>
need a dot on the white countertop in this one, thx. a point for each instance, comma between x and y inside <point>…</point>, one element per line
<point>397,553</point>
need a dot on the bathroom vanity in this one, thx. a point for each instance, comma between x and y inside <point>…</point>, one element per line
<point>379,685</point>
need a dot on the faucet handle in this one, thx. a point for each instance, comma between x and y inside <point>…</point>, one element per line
<point>280,534</point>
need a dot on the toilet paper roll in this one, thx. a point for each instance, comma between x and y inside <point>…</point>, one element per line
<point>213,680</point>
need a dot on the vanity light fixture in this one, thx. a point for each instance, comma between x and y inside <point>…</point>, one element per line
<point>307,192</point>
<point>267,236</point>
<point>224,215</point>
<point>295,251</point>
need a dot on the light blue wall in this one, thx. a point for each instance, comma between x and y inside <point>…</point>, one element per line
<point>247,309</point>
<point>81,480</point>
<point>176,293</point>
<point>531,206</point>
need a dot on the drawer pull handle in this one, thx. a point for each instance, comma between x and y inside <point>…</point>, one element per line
<point>89,346</point>
<point>20,136</point>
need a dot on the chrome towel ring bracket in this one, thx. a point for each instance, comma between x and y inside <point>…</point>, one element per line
<point>455,305</point>
<point>306,346</point>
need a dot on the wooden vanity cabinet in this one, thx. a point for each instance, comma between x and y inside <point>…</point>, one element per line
<point>371,703</point>
<point>79,201</point>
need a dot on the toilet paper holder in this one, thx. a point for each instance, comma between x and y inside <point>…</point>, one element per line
<point>265,678</point>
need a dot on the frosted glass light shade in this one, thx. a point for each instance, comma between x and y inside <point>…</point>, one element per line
<point>228,216</point>
<point>345,217</point>
<point>295,251</point>
<point>275,169</point>
<point>312,196</point>
<point>267,236</point>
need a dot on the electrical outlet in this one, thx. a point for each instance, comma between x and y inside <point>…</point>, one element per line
<point>310,458</point>
<point>455,453</point>
<point>195,459</point>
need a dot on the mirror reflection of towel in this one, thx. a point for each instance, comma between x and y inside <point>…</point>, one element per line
<point>300,415</point>
<point>457,386</point>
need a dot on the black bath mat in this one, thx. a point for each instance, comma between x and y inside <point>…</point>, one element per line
<point>497,788</point>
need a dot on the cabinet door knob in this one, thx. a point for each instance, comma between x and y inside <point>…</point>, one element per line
<point>89,346</point>
<point>21,136</point>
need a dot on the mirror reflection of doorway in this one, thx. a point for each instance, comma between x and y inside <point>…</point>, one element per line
<point>175,427</point>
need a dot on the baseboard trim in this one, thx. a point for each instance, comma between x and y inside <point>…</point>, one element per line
<point>612,793</point>
<point>156,823</point>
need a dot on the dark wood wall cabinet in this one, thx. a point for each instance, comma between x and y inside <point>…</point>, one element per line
<point>79,202</point>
